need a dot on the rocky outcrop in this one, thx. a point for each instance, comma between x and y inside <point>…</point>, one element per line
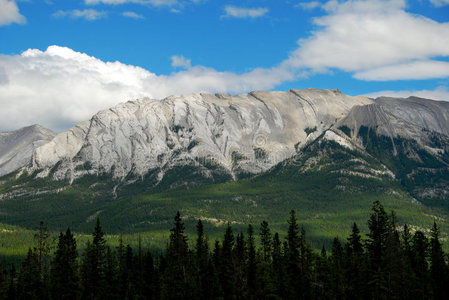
<point>17,147</point>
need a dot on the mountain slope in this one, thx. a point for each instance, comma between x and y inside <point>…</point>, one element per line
<point>326,155</point>
<point>410,137</point>
<point>243,134</point>
<point>17,147</point>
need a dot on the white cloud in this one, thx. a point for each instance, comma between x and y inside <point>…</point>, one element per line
<point>440,93</point>
<point>414,70</point>
<point>59,87</point>
<point>357,36</point>
<point>440,2</point>
<point>132,15</point>
<point>242,12</point>
<point>309,5</point>
<point>88,14</point>
<point>144,2</point>
<point>9,13</point>
<point>180,61</point>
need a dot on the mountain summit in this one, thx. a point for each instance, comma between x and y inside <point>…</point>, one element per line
<point>238,135</point>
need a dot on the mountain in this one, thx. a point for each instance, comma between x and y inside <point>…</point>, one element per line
<point>240,159</point>
<point>17,147</point>
<point>225,136</point>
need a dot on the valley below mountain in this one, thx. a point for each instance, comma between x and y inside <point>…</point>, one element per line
<point>234,159</point>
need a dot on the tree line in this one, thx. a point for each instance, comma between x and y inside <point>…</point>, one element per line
<point>390,263</point>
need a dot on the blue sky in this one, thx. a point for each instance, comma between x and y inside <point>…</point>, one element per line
<point>63,60</point>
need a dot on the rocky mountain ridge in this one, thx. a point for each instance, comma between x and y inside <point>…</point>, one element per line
<point>243,134</point>
<point>226,135</point>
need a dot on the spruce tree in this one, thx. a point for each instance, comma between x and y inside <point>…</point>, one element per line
<point>394,261</point>
<point>420,268</point>
<point>226,272</point>
<point>305,254</point>
<point>321,283</point>
<point>42,237</point>
<point>93,265</point>
<point>150,278</point>
<point>175,281</point>
<point>379,228</point>
<point>30,283</point>
<point>294,275</point>
<point>266,241</point>
<point>438,268</point>
<point>251,266</point>
<point>356,268</point>
<point>111,289</point>
<point>278,269</point>
<point>240,260</point>
<point>337,283</point>
<point>206,280</point>
<point>64,269</point>
<point>265,283</point>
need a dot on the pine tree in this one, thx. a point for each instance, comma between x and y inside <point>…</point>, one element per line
<point>64,269</point>
<point>278,269</point>
<point>394,262</point>
<point>30,283</point>
<point>206,282</point>
<point>294,276</point>
<point>43,248</point>
<point>266,241</point>
<point>379,228</point>
<point>11,292</point>
<point>150,278</point>
<point>305,254</point>
<point>175,282</point>
<point>337,271</point>
<point>265,284</point>
<point>420,267</point>
<point>126,269</point>
<point>240,259</point>
<point>111,282</point>
<point>251,266</point>
<point>356,268</point>
<point>321,284</point>
<point>226,264</point>
<point>438,268</point>
<point>93,265</point>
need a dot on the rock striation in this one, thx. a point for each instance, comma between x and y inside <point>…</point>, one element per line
<point>236,134</point>
<point>17,147</point>
<point>240,133</point>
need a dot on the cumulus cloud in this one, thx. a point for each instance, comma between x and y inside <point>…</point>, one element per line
<point>440,93</point>
<point>60,87</point>
<point>144,2</point>
<point>132,15</point>
<point>180,61</point>
<point>427,69</point>
<point>440,2</point>
<point>9,13</point>
<point>309,5</point>
<point>358,36</point>
<point>88,14</point>
<point>243,12</point>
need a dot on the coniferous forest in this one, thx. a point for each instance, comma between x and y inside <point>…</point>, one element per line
<point>389,262</point>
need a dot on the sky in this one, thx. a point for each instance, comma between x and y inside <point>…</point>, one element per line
<point>61,61</point>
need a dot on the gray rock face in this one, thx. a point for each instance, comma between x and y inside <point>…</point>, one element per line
<point>239,133</point>
<point>17,147</point>
<point>245,133</point>
<point>411,118</point>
